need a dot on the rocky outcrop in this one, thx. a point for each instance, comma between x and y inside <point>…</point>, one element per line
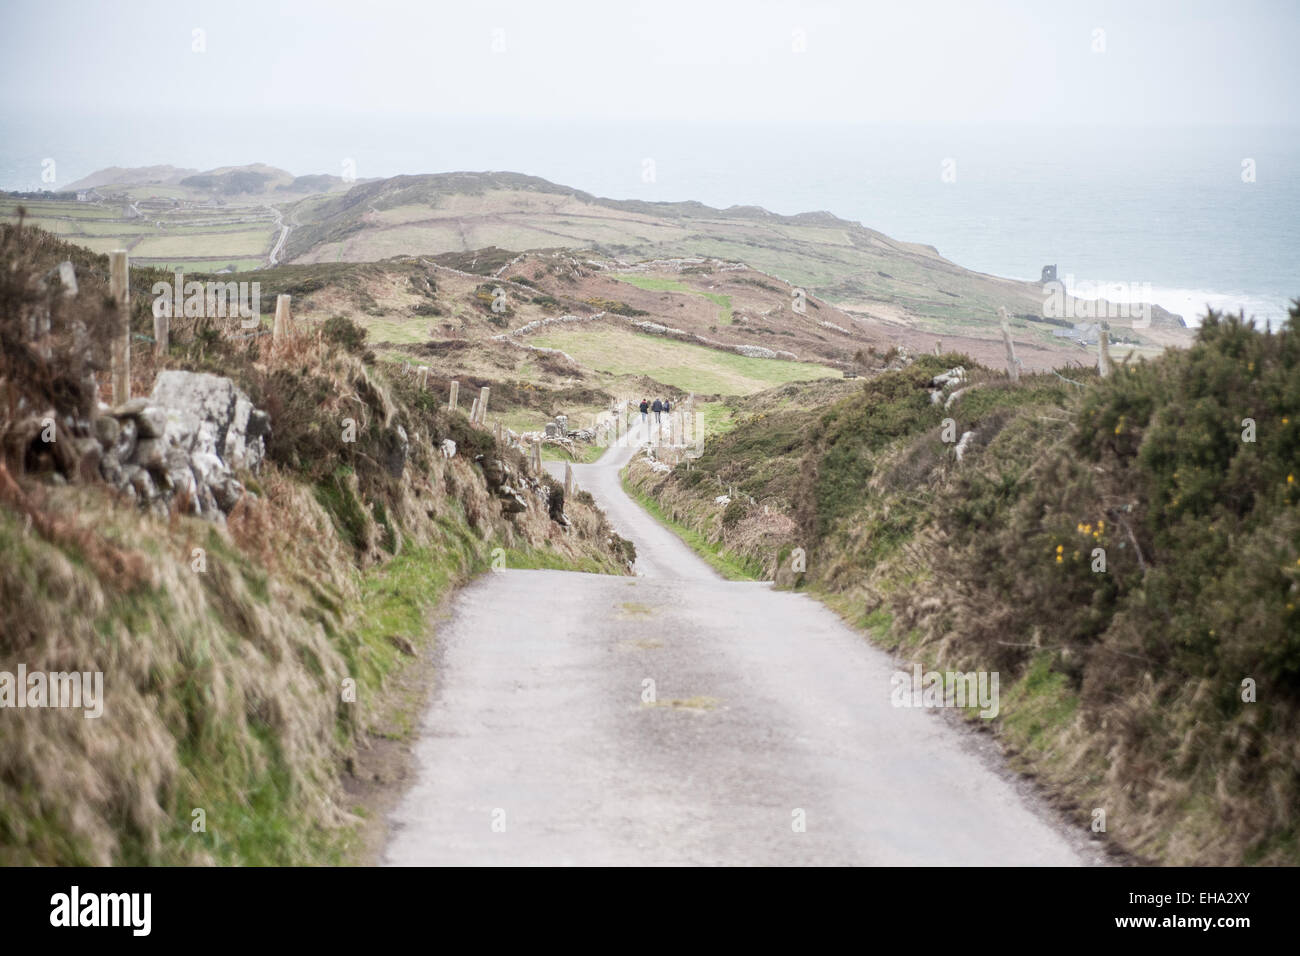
<point>511,486</point>
<point>183,444</point>
<point>943,381</point>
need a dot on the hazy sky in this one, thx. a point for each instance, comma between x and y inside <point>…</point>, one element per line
<point>705,60</point>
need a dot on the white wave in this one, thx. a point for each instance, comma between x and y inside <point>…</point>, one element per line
<point>1192,303</point>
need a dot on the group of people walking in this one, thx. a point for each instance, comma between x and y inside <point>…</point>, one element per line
<point>659,407</point>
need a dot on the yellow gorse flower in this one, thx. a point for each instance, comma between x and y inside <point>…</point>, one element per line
<point>1086,528</point>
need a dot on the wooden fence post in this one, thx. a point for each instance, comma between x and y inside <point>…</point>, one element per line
<point>473,411</point>
<point>120,289</point>
<point>1103,351</point>
<point>496,431</point>
<point>568,481</point>
<point>162,323</point>
<point>537,457</point>
<point>178,294</point>
<point>482,404</point>
<point>1013,369</point>
<point>455,396</point>
<point>282,319</point>
<point>424,377</point>
<point>161,333</point>
<point>68,276</point>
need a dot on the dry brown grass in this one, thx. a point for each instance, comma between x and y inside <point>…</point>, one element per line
<point>224,649</point>
<point>206,698</point>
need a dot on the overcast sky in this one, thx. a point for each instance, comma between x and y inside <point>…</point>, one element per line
<point>705,60</point>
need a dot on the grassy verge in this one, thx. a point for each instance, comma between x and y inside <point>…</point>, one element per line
<point>730,566</point>
<point>396,600</point>
<point>396,626</point>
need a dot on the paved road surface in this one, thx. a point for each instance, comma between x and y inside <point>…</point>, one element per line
<point>537,747</point>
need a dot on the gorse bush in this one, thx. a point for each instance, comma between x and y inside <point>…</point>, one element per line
<point>1182,472</point>
<point>343,332</point>
<point>1208,448</point>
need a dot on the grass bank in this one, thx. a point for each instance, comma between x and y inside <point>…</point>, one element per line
<point>247,664</point>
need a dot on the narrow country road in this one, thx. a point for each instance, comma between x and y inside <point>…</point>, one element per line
<point>284,227</point>
<point>537,747</point>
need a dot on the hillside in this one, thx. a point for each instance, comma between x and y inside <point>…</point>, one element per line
<point>249,553</point>
<point>1124,551</point>
<point>855,267</point>
<point>131,176</point>
<point>560,332</point>
<point>224,181</point>
<point>243,218</point>
<point>229,219</point>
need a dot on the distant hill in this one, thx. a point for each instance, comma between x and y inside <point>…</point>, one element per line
<point>239,180</point>
<point>317,183</point>
<point>225,182</point>
<point>856,268</point>
<point>905,292</point>
<point>132,176</point>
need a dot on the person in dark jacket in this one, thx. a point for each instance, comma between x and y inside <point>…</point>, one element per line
<point>658,409</point>
<point>645,409</point>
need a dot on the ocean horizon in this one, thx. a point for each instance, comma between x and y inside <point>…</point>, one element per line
<point>1189,216</point>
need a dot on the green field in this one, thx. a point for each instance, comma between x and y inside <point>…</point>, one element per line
<point>691,368</point>
<point>9,207</point>
<point>718,418</point>
<point>654,283</point>
<point>250,242</point>
<point>202,265</point>
<point>198,237</point>
<point>396,331</point>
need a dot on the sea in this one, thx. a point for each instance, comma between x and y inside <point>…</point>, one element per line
<point>1188,217</point>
